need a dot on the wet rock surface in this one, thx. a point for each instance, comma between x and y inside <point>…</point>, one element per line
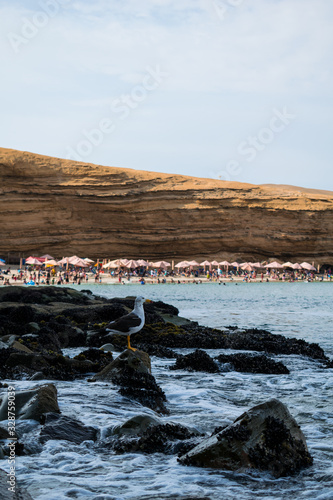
<point>248,363</point>
<point>266,437</point>
<point>132,372</point>
<point>145,434</point>
<point>198,361</point>
<point>33,403</point>
<point>57,426</point>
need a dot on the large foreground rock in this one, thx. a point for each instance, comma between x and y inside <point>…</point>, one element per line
<point>5,494</point>
<point>32,404</point>
<point>57,426</point>
<point>266,437</point>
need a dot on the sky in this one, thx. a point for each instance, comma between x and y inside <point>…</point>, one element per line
<point>239,90</point>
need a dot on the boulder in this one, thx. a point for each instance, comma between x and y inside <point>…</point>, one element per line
<point>198,361</point>
<point>145,434</point>
<point>131,371</point>
<point>251,363</point>
<point>6,494</point>
<point>139,361</point>
<point>32,404</point>
<point>62,427</point>
<point>135,425</point>
<point>266,437</point>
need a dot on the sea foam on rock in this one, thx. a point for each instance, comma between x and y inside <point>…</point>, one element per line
<point>266,437</point>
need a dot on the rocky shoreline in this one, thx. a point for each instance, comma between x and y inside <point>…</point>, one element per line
<point>37,324</point>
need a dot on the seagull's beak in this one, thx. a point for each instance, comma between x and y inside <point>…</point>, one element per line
<point>148,301</point>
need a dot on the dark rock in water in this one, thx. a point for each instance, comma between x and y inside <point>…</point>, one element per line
<point>16,364</point>
<point>253,363</point>
<point>157,350</point>
<point>136,425</point>
<point>142,387</point>
<point>131,370</point>
<point>19,493</point>
<point>137,360</point>
<point>167,438</point>
<point>198,361</point>
<point>98,356</point>
<point>266,437</point>
<point>57,426</point>
<point>32,404</point>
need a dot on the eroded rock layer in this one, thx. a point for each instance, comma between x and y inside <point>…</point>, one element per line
<point>62,207</point>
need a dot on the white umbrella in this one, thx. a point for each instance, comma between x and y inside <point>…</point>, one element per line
<point>132,264</point>
<point>194,263</point>
<point>205,263</point>
<point>79,263</point>
<point>47,257</point>
<point>33,261</point>
<point>307,266</point>
<point>89,261</point>
<point>235,264</point>
<point>161,263</point>
<point>142,262</point>
<point>287,264</point>
<point>224,263</point>
<point>247,267</point>
<point>50,262</point>
<point>257,264</point>
<point>214,263</point>
<point>183,263</point>
<point>296,266</point>
<point>274,265</point>
<point>2,263</point>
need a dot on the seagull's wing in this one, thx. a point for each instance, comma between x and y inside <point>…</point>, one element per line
<point>124,323</point>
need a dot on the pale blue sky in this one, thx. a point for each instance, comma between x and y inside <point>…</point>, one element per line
<point>232,89</point>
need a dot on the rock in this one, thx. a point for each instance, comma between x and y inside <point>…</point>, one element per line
<point>198,361</point>
<point>250,363</point>
<point>266,437</point>
<point>33,327</point>
<point>136,425</point>
<point>20,347</point>
<point>156,437</point>
<point>19,492</point>
<point>53,366</point>
<point>157,350</point>
<point>32,404</point>
<point>139,361</point>
<point>131,371</point>
<point>97,356</point>
<point>57,426</point>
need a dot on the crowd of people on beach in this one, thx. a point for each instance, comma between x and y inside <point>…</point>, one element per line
<point>74,275</point>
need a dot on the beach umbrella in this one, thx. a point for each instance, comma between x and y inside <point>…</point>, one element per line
<point>274,265</point>
<point>2,263</point>
<point>33,261</point>
<point>89,261</point>
<point>214,263</point>
<point>194,263</point>
<point>205,263</point>
<point>142,262</point>
<point>287,264</point>
<point>307,266</point>
<point>161,264</point>
<point>50,263</point>
<point>235,264</point>
<point>78,262</point>
<point>296,266</point>
<point>247,267</point>
<point>224,263</point>
<point>132,264</point>
<point>183,263</point>
<point>257,264</point>
<point>47,257</point>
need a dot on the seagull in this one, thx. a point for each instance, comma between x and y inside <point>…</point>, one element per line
<point>130,323</point>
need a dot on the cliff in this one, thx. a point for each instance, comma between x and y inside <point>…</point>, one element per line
<point>62,207</point>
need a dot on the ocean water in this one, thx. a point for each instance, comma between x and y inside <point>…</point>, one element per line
<point>62,470</point>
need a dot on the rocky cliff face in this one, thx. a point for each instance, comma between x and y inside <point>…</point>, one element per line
<point>62,207</point>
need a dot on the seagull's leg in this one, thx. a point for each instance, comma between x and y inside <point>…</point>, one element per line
<point>129,344</point>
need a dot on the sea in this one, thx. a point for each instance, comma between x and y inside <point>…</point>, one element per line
<point>62,470</point>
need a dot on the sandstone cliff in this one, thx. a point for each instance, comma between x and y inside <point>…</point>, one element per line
<point>62,207</point>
